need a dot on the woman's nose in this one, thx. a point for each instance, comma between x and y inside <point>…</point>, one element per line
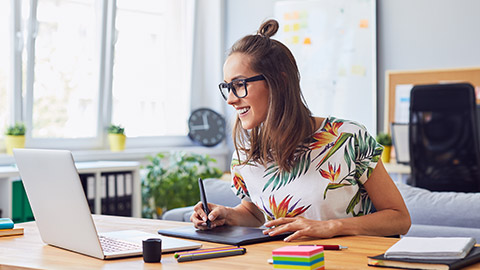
<point>231,98</point>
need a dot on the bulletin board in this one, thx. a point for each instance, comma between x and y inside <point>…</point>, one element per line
<point>396,105</point>
<point>333,42</point>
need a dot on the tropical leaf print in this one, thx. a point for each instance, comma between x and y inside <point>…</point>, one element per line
<point>236,162</point>
<point>327,135</point>
<point>239,185</point>
<point>333,186</point>
<point>366,205</point>
<point>279,178</point>
<point>332,173</point>
<point>283,209</point>
<point>337,145</point>
<point>368,151</point>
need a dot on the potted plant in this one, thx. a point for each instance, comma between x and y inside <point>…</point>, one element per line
<point>15,137</point>
<point>171,181</point>
<point>116,137</point>
<point>386,141</point>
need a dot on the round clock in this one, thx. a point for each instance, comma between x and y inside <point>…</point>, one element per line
<point>206,127</point>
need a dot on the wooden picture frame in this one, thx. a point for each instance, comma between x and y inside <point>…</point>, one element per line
<point>417,77</point>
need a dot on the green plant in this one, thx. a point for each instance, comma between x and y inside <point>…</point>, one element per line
<point>384,139</point>
<point>171,181</point>
<point>16,130</point>
<point>116,129</point>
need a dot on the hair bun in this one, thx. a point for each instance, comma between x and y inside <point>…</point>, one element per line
<point>268,28</point>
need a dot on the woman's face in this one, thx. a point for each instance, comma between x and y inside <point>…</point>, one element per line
<point>252,109</point>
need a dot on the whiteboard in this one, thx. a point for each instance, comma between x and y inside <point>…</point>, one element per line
<point>334,44</point>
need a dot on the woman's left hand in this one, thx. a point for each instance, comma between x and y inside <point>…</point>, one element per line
<point>301,226</point>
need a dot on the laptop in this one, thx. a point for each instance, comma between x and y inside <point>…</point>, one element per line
<point>62,213</point>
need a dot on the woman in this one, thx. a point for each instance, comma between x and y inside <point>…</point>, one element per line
<point>315,177</point>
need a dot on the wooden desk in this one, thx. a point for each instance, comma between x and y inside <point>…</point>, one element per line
<point>28,251</point>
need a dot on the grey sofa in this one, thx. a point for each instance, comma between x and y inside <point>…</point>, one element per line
<point>442,213</point>
<point>217,191</point>
<point>432,213</point>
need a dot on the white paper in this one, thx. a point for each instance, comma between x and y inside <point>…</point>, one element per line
<point>402,103</point>
<point>431,248</point>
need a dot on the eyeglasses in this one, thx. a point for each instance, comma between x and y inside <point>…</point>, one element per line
<point>238,86</point>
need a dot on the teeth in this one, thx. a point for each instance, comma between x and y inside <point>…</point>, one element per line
<point>243,110</point>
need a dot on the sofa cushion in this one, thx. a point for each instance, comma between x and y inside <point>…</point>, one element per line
<point>455,209</point>
<point>218,192</point>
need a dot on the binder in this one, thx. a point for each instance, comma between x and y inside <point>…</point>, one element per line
<point>117,193</point>
<point>88,184</point>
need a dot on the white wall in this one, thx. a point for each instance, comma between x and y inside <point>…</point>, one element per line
<point>411,34</point>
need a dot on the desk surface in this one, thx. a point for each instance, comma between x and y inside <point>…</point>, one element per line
<point>28,251</point>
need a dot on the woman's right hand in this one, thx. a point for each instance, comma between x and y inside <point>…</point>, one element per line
<point>218,216</point>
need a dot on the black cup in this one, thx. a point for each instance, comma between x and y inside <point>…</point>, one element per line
<point>152,250</point>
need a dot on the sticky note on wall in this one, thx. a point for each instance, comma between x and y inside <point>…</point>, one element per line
<point>364,23</point>
<point>359,70</point>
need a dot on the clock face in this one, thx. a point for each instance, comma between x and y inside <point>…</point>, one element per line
<point>206,127</point>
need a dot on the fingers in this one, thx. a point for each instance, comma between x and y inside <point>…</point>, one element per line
<point>294,236</point>
<point>280,221</point>
<point>199,217</point>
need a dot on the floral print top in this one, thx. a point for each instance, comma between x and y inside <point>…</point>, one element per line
<point>326,181</point>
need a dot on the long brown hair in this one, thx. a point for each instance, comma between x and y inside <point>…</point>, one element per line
<point>289,122</point>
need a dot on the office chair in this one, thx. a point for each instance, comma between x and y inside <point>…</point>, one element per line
<point>444,142</point>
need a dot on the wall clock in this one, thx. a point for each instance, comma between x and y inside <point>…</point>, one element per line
<point>206,127</point>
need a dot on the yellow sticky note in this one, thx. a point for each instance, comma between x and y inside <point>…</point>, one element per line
<point>286,28</point>
<point>359,70</point>
<point>307,41</point>
<point>296,27</point>
<point>364,23</point>
<point>295,39</point>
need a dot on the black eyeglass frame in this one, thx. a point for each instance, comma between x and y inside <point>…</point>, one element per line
<point>230,87</point>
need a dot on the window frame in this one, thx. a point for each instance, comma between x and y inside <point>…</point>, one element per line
<point>22,109</point>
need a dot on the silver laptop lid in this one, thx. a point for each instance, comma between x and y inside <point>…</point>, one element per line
<point>57,199</point>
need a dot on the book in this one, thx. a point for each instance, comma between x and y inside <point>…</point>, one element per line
<point>6,223</point>
<point>431,248</point>
<point>8,232</point>
<point>447,264</point>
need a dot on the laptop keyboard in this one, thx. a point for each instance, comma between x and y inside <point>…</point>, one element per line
<point>115,245</point>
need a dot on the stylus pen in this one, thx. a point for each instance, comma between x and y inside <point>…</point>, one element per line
<point>196,251</point>
<point>329,247</point>
<point>203,198</point>
<point>210,255</point>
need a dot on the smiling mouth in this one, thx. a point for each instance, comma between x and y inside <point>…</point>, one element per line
<point>243,111</point>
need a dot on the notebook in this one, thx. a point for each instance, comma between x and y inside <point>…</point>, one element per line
<point>447,264</point>
<point>230,235</point>
<point>62,213</point>
<point>431,248</point>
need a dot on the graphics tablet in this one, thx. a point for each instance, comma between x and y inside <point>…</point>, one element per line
<point>230,235</point>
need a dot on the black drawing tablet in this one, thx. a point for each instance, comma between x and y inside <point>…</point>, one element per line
<point>230,235</point>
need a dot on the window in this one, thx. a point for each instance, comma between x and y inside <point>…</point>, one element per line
<point>65,84</point>
<point>150,83</point>
<point>89,63</point>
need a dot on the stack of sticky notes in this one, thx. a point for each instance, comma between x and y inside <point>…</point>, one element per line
<point>298,257</point>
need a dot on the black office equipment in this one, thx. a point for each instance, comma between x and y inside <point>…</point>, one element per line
<point>230,235</point>
<point>444,142</point>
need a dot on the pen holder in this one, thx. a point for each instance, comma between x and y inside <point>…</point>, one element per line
<point>152,250</point>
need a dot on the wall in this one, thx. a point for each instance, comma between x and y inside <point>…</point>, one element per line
<point>411,34</point>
